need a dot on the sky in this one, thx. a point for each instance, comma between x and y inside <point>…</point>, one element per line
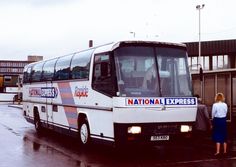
<point>52,28</point>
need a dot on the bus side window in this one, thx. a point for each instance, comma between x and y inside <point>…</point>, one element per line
<point>48,70</point>
<point>36,73</point>
<point>80,65</point>
<point>62,69</point>
<point>102,75</point>
<point>27,71</point>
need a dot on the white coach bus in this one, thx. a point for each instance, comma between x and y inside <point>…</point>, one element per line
<point>128,91</point>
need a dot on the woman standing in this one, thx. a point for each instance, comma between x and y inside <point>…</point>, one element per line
<point>219,112</point>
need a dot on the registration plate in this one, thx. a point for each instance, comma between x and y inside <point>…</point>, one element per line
<point>160,138</point>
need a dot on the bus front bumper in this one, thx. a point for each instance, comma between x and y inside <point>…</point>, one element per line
<point>151,133</point>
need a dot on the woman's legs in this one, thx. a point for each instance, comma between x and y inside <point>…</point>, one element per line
<point>225,147</point>
<point>217,148</point>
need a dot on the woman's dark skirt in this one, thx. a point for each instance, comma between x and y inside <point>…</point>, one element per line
<point>219,130</point>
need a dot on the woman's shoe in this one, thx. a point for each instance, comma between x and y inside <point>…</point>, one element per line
<point>216,154</point>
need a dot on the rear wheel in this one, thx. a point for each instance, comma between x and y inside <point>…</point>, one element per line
<point>84,133</point>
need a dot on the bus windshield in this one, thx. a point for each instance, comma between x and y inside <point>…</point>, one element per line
<point>152,72</point>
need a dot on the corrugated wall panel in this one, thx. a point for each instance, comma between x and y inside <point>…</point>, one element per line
<point>222,47</point>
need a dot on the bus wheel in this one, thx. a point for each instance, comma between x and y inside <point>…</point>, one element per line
<point>84,134</point>
<point>37,123</point>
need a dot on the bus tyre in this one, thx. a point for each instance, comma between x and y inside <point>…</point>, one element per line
<point>37,123</point>
<point>84,134</point>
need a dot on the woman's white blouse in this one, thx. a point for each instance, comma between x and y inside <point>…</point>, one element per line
<point>219,110</point>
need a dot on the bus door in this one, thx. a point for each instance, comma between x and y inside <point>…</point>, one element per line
<point>49,93</point>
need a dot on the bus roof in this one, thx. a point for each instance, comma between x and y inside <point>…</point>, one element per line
<point>112,46</point>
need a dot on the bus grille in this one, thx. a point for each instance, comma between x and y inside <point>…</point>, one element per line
<point>161,129</point>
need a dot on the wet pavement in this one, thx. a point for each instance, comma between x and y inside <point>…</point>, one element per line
<point>21,146</point>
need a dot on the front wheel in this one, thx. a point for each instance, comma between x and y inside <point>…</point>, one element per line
<point>84,134</point>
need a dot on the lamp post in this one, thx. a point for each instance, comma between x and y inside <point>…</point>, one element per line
<point>199,7</point>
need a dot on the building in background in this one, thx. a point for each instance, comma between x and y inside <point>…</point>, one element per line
<point>11,73</point>
<point>218,61</point>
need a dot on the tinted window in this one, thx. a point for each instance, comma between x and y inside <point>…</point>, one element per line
<point>63,68</point>
<point>36,72</point>
<point>136,70</point>
<point>48,70</point>
<point>174,73</point>
<point>80,65</point>
<point>27,70</point>
<point>103,80</point>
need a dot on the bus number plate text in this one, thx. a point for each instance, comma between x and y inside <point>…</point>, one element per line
<point>160,138</point>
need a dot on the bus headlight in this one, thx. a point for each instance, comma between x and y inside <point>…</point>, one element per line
<point>134,129</point>
<point>185,128</point>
